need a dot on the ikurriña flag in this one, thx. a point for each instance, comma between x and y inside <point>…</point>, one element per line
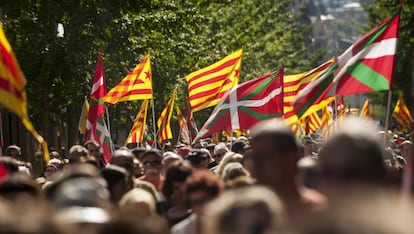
<point>96,128</point>
<point>137,85</point>
<point>402,114</point>
<point>136,135</point>
<point>248,103</point>
<point>366,66</point>
<point>164,121</point>
<point>12,89</point>
<point>206,86</point>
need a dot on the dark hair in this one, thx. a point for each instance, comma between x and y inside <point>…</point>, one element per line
<point>177,172</point>
<point>195,156</point>
<point>19,184</point>
<point>152,152</point>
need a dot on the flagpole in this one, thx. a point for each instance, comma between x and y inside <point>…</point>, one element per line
<point>387,117</point>
<point>107,119</point>
<point>153,124</point>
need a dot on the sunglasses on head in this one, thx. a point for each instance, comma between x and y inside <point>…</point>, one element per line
<point>152,163</point>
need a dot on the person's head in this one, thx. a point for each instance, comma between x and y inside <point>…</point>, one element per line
<point>116,178</point>
<point>229,157</point>
<point>14,151</point>
<point>138,153</point>
<point>19,186</point>
<point>219,151</point>
<point>173,187</point>
<point>170,158</point>
<point>239,146</point>
<point>152,162</point>
<point>54,154</point>
<point>51,172</point>
<point>77,154</point>
<point>183,150</point>
<point>139,203</point>
<point>125,159</point>
<point>232,171</point>
<point>202,187</point>
<point>353,155</point>
<point>93,148</point>
<point>274,154</point>
<point>253,209</point>
<point>198,158</point>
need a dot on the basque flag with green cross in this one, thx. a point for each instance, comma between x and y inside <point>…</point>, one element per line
<point>248,103</point>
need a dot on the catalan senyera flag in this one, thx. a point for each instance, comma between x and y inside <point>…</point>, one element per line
<point>402,114</point>
<point>136,135</point>
<point>293,84</point>
<point>326,119</point>
<point>164,121</point>
<point>365,109</point>
<point>311,123</point>
<point>208,85</point>
<point>12,89</point>
<point>137,85</point>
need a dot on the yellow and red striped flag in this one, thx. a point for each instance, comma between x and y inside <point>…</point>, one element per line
<point>293,84</point>
<point>402,114</point>
<point>311,123</point>
<point>365,109</point>
<point>12,89</point>
<point>208,85</point>
<point>326,119</point>
<point>136,135</point>
<point>137,85</point>
<point>164,121</point>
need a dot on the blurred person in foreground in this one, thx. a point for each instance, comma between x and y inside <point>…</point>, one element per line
<point>174,191</point>
<point>201,187</point>
<point>254,209</point>
<point>352,157</point>
<point>275,153</point>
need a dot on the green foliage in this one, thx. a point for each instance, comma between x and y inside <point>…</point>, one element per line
<point>181,36</point>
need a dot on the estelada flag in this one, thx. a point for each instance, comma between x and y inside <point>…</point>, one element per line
<point>208,85</point>
<point>137,85</point>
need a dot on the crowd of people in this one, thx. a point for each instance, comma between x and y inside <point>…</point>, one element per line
<point>271,181</point>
